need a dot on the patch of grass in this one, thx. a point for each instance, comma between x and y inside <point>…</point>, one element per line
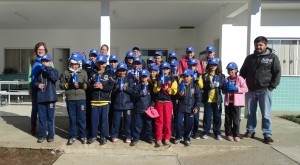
<point>292,118</point>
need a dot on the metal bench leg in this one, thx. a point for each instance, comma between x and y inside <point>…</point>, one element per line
<point>6,103</point>
<point>64,97</point>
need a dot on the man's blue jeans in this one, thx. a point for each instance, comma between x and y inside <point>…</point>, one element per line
<point>264,100</point>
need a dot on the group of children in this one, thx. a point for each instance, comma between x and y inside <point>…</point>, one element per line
<point>155,99</point>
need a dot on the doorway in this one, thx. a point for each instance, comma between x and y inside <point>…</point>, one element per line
<point>60,59</point>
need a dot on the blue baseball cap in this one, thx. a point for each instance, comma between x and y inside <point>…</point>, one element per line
<point>137,59</point>
<point>172,55</point>
<point>158,53</point>
<point>101,58</point>
<point>188,72</point>
<point>75,57</point>
<point>46,57</point>
<point>210,49</point>
<point>213,61</point>
<point>130,54</point>
<point>165,65</point>
<point>113,57</point>
<point>232,65</point>
<point>122,66</point>
<point>136,48</point>
<point>192,61</point>
<point>94,51</point>
<point>151,59</point>
<point>154,67</point>
<point>174,63</point>
<point>88,62</point>
<point>190,49</point>
<point>144,72</point>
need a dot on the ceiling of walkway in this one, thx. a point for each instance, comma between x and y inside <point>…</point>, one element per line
<point>124,14</point>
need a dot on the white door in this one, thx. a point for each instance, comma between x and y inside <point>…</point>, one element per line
<point>60,59</point>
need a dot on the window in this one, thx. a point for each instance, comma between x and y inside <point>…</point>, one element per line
<point>150,53</point>
<point>18,59</point>
<point>288,52</point>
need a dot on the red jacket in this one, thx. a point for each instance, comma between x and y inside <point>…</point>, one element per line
<point>183,65</point>
<point>239,99</point>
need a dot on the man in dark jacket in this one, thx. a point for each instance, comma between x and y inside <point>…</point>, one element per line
<point>262,72</point>
<point>46,98</point>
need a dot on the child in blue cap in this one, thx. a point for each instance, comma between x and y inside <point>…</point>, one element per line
<point>153,69</point>
<point>144,100</point>
<point>123,104</point>
<point>46,98</point>
<point>235,88</point>
<point>212,85</point>
<point>75,82</point>
<point>102,83</point>
<point>193,65</point>
<point>189,97</point>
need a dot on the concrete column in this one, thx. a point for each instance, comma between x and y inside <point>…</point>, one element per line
<point>253,30</point>
<point>105,23</point>
<point>254,18</point>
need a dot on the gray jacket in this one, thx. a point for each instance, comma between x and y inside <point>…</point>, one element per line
<point>66,83</point>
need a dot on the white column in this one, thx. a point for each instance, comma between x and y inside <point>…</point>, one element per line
<point>253,30</point>
<point>105,23</point>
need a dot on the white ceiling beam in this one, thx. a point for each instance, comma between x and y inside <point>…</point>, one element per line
<point>234,9</point>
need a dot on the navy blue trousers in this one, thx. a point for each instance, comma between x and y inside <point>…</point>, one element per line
<point>99,117</point>
<point>46,116</point>
<point>141,119</point>
<point>117,122</point>
<point>77,110</point>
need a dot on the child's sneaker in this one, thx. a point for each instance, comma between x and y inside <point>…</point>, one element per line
<point>50,139</point>
<point>41,139</point>
<point>167,142</point>
<point>103,140</point>
<point>197,137</point>
<point>128,140</point>
<point>159,143</point>
<point>229,138</point>
<point>133,143</point>
<point>84,140</point>
<point>92,140</point>
<point>204,137</point>
<point>219,137</point>
<point>176,141</point>
<point>237,139</point>
<point>71,141</point>
<point>187,143</point>
<point>150,141</point>
<point>114,140</point>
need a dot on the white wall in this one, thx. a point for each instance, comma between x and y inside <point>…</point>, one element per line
<point>208,32</point>
<point>84,40</point>
<point>274,24</point>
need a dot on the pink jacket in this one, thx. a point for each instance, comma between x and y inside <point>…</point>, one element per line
<point>239,99</point>
<point>183,65</point>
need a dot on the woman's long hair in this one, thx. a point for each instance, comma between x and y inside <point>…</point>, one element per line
<point>32,58</point>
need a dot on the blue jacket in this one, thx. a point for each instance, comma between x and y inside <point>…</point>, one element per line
<point>35,68</point>
<point>108,83</point>
<point>49,76</point>
<point>122,99</point>
<point>190,100</point>
<point>207,88</point>
<point>143,102</point>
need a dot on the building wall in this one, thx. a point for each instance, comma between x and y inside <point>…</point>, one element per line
<point>84,40</point>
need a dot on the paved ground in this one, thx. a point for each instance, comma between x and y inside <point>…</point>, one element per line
<point>15,124</point>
